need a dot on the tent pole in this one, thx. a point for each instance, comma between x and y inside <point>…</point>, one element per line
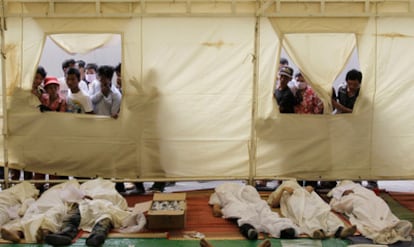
<point>253,134</point>
<point>4,98</point>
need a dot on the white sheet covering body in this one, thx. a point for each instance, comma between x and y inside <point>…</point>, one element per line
<point>308,210</point>
<point>50,209</point>
<point>106,203</point>
<point>369,213</point>
<point>244,203</point>
<point>46,213</point>
<point>14,200</point>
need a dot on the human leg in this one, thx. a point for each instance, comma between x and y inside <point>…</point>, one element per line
<point>158,186</point>
<point>99,232</point>
<point>319,234</point>
<point>139,186</point>
<point>288,233</point>
<point>11,235</point>
<point>344,232</point>
<point>69,230</point>
<point>249,231</point>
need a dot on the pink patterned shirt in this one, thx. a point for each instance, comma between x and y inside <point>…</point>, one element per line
<point>310,104</point>
<point>58,105</point>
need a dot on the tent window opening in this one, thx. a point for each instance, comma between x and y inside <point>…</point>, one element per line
<point>80,73</point>
<point>293,92</point>
<point>346,88</point>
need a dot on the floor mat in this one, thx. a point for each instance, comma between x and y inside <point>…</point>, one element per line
<point>399,204</point>
<point>363,240</point>
<point>131,242</point>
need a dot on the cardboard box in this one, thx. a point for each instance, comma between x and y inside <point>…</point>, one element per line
<point>164,218</point>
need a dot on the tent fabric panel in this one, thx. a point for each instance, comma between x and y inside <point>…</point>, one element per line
<point>160,101</point>
<point>292,135</point>
<point>392,133</point>
<point>181,79</point>
<point>68,157</point>
<point>194,158</point>
<point>81,43</point>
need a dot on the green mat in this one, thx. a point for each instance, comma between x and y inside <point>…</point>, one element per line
<point>132,242</point>
<point>399,210</point>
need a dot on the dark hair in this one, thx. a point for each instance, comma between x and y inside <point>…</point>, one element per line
<point>354,74</point>
<point>118,68</point>
<point>81,63</point>
<point>106,71</point>
<point>41,71</point>
<point>298,74</point>
<point>284,61</point>
<point>67,63</point>
<point>93,66</point>
<point>74,71</point>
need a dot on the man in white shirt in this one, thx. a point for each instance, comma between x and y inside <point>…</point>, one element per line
<point>63,87</point>
<point>77,101</point>
<point>107,101</point>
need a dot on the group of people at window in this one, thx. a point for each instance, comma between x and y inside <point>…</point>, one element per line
<point>295,95</point>
<point>84,88</point>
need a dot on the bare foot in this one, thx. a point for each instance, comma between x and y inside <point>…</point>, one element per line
<point>10,235</point>
<point>41,234</point>
<point>217,210</point>
<point>205,243</point>
<point>309,189</point>
<point>265,243</point>
<point>289,190</point>
<point>318,234</point>
<point>347,232</point>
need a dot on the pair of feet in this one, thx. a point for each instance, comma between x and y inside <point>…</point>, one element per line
<point>340,233</point>
<point>156,187</point>
<point>94,239</point>
<point>264,243</point>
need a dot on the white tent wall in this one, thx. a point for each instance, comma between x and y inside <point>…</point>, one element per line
<point>75,144</point>
<point>174,115</point>
<point>193,109</point>
<point>393,140</point>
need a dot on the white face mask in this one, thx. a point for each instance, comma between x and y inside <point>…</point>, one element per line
<point>90,77</point>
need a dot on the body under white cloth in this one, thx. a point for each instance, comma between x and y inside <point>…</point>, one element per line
<point>370,213</point>
<point>244,203</point>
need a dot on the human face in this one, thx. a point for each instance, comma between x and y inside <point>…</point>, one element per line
<point>105,86</point>
<point>284,80</point>
<point>73,82</point>
<point>353,85</point>
<point>90,71</point>
<point>38,79</point>
<point>300,78</point>
<point>90,75</point>
<point>52,90</point>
